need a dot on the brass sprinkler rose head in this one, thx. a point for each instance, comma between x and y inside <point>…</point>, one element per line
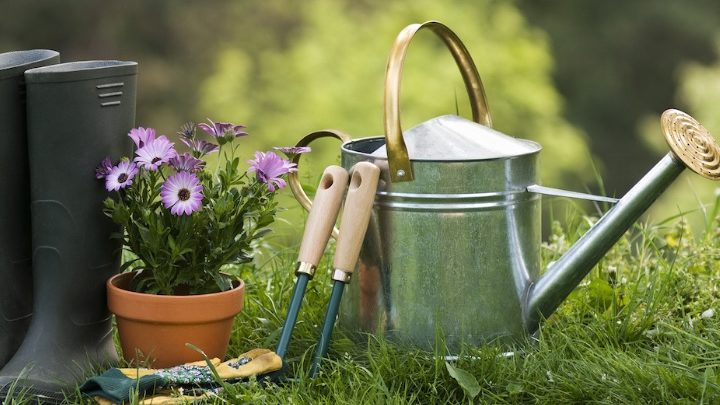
<point>691,143</point>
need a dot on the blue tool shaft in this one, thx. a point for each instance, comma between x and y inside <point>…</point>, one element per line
<point>330,316</point>
<point>292,314</point>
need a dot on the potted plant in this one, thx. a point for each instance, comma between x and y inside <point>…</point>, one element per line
<point>183,222</point>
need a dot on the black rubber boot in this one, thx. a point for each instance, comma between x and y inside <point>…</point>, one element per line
<point>15,250</point>
<point>77,114</point>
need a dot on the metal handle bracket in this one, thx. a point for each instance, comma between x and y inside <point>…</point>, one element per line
<point>570,194</point>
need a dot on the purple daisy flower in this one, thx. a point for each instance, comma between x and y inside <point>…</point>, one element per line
<point>182,193</point>
<point>120,176</point>
<point>199,147</point>
<point>142,136</point>
<point>155,153</point>
<point>104,169</point>
<point>268,168</point>
<point>186,163</point>
<point>187,130</point>
<point>222,129</point>
<point>292,151</point>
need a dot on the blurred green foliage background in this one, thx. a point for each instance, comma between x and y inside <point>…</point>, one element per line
<point>587,80</point>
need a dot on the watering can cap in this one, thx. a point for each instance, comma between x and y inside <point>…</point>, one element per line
<point>450,138</point>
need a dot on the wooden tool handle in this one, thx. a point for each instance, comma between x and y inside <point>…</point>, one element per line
<point>323,214</point>
<point>356,215</point>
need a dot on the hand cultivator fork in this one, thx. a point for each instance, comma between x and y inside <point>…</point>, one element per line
<point>356,215</point>
<point>317,232</point>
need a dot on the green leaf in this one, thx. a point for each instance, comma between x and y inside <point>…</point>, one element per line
<point>127,264</point>
<point>262,232</point>
<point>120,214</point>
<point>223,282</point>
<point>601,294</point>
<point>109,203</point>
<point>515,389</point>
<point>467,381</point>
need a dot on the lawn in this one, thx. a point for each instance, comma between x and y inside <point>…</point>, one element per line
<point>641,328</point>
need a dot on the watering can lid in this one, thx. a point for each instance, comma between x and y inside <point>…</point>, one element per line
<point>450,137</point>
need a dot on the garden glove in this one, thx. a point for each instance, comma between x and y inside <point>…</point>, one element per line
<point>117,384</point>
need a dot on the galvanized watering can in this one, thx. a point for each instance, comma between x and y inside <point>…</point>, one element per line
<point>453,247</point>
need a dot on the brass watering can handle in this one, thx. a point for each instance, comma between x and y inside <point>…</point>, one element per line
<point>398,159</point>
<point>294,179</point>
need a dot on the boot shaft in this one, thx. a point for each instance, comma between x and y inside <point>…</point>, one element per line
<point>14,201</point>
<point>15,247</point>
<point>78,114</point>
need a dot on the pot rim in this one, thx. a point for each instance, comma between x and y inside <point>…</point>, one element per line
<point>113,281</point>
<point>200,308</point>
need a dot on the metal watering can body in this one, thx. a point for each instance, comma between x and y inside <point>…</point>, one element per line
<point>453,246</point>
<point>455,250</point>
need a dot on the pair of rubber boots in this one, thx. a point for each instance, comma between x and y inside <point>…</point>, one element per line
<point>57,123</point>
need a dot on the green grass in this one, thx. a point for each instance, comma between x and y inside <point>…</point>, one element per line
<point>632,332</point>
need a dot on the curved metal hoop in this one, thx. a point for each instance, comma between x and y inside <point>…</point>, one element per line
<point>294,178</point>
<point>398,159</point>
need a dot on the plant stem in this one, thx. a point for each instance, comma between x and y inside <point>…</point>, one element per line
<point>217,166</point>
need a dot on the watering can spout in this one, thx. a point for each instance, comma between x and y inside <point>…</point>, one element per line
<point>692,147</point>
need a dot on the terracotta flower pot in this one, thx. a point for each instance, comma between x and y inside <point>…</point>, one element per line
<point>157,327</point>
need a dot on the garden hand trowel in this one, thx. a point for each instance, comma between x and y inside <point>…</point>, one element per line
<point>354,224</point>
<point>319,225</point>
